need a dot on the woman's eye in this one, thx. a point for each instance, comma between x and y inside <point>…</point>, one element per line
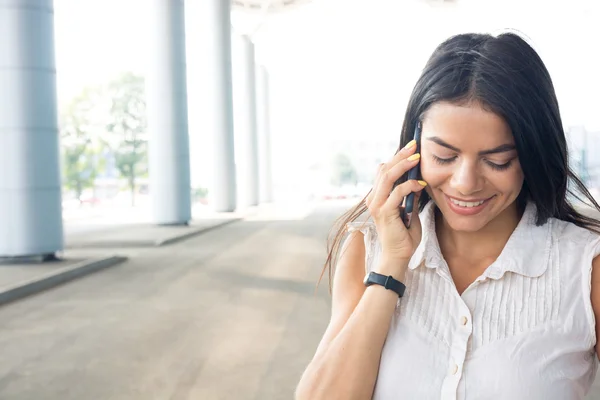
<point>494,166</point>
<point>499,167</point>
<point>443,161</point>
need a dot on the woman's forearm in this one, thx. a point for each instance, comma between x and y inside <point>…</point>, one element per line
<point>348,367</point>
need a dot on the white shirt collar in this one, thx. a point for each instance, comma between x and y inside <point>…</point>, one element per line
<point>527,251</point>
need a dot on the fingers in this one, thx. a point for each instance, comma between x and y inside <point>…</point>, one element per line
<point>389,176</point>
<point>401,155</point>
<point>400,192</point>
<point>404,152</point>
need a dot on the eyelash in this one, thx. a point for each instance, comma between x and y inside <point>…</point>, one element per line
<point>497,167</point>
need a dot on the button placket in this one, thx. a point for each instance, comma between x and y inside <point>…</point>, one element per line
<point>458,351</point>
<point>454,369</point>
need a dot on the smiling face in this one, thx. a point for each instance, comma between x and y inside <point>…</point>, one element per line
<point>469,160</point>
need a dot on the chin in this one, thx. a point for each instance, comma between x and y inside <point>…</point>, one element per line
<point>465,224</point>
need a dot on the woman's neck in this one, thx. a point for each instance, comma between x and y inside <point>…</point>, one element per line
<point>484,244</point>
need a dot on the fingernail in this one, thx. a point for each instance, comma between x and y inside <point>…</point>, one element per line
<point>414,157</point>
<point>422,183</point>
<point>410,144</point>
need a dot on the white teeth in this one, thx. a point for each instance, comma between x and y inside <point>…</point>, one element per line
<point>467,203</point>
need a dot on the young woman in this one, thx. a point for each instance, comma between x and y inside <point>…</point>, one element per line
<point>500,270</point>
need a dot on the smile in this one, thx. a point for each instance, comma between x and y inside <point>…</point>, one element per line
<point>467,208</point>
<point>467,203</point>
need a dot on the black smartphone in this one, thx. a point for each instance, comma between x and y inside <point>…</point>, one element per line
<point>414,173</point>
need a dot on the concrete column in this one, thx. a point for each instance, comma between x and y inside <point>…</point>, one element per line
<point>264,136</point>
<point>244,107</point>
<point>212,20</point>
<point>166,89</point>
<point>30,184</point>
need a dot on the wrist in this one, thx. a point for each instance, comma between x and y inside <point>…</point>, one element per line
<point>383,293</point>
<point>386,281</point>
<point>393,267</point>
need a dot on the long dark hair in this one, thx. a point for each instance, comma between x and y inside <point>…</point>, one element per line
<point>506,76</point>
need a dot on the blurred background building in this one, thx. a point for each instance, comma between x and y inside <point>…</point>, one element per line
<point>336,75</point>
<point>340,71</point>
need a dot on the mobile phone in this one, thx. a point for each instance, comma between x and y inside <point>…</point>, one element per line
<point>409,201</point>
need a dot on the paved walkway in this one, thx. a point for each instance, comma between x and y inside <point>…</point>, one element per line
<point>231,314</point>
<point>228,315</point>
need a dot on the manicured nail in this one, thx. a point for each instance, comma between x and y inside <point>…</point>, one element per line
<point>410,144</point>
<point>422,183</point>
<point>414,157</point>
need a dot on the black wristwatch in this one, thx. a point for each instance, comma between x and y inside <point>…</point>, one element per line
<point>388,282</point>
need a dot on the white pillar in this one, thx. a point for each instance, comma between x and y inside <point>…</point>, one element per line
<point>264,135</point>
<point>245,123</point>
<point>30,184</point>
<point>212,44</point>
<point>166,89</point>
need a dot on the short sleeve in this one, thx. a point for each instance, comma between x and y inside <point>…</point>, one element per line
<point>591,251</point>
<point>372,246</point>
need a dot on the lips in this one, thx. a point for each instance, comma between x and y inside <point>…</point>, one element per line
<point>467,203</point>
<point>470,207</point>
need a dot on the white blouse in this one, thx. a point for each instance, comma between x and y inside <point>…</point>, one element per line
<point>524,329</point>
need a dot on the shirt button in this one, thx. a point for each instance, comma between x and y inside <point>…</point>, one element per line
<point>454,369</point>
<point>464,320</point>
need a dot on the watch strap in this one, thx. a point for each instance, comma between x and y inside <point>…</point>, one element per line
<point>387,281</point>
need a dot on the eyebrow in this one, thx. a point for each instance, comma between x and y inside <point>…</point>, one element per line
<point>500,149</point>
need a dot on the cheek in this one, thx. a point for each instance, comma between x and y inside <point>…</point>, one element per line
<point>434,174</point>
<point>508,181</point>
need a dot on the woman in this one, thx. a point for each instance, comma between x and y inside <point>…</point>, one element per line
<point>501,271</point>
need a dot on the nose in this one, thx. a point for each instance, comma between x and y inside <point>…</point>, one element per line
<point>466,178</point>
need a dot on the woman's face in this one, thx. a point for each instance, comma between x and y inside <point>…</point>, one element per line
<point>469,160</point>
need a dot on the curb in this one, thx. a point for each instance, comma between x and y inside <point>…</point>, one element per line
<point>187,235</point>
<point>149,243</point>
<point>36,285</point>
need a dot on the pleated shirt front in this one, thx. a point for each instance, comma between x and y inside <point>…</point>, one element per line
<point>524,329</point>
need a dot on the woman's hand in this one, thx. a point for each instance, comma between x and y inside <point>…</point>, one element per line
<point>398,243</point>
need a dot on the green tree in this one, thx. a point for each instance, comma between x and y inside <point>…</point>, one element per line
<point>127,127</point>
<point>80,150</point>
<point>343,171</point>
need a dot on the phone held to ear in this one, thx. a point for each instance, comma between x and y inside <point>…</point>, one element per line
<point>409,205</point>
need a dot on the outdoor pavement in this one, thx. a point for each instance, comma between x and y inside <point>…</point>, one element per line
<point>19,279</point>
<point>111,229</point>
<point>228,314</point>
<point>145,234</point>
